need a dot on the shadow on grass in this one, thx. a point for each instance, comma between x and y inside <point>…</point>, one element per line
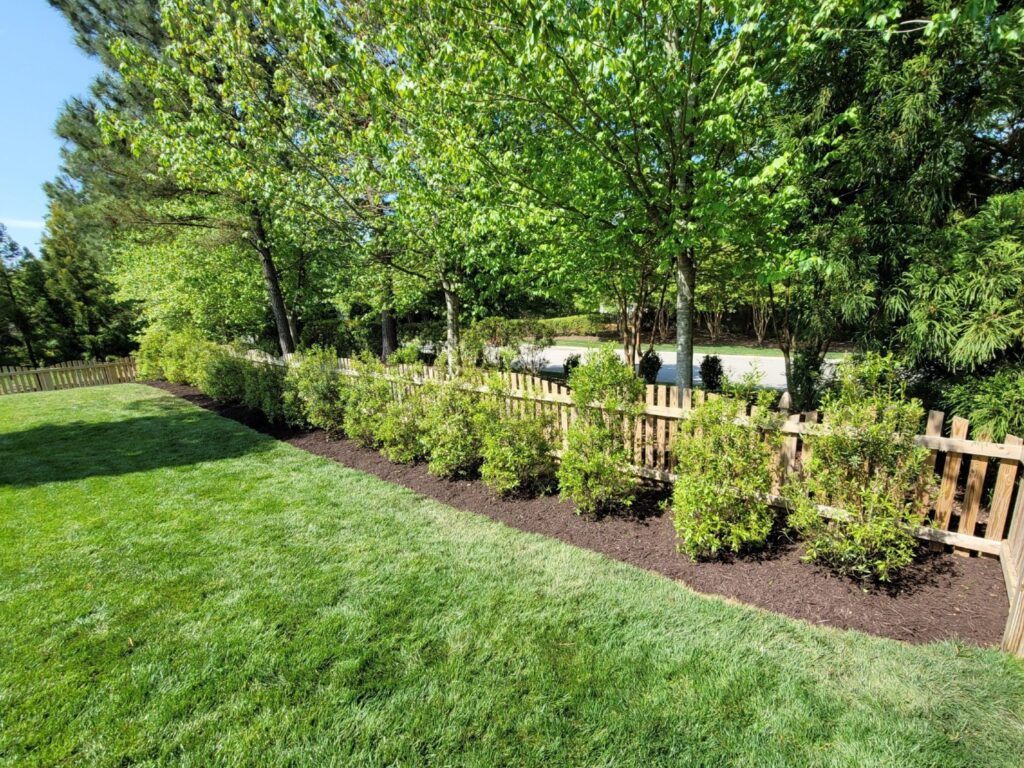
<point>158,436</point>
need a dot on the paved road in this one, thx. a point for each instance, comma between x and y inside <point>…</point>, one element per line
<point>773,371</point>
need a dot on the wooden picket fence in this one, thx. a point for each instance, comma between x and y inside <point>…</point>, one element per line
<point>14,380</point>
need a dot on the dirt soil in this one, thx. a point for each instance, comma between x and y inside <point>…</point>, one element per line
<point>941,596</point>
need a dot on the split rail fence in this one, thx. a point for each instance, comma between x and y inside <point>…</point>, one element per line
<point>14,380</point>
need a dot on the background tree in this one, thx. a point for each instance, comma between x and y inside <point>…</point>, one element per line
<point>621,117</point>
<point>18,328</point>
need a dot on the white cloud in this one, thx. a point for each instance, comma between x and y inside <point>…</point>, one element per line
<point>24,223</point>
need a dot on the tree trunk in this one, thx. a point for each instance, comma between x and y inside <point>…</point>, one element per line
<point>388,333</point>
<point>388,322</point>
<point>293,327</point>
<point>273,284</point>
<point>632,336</point>
<point>686,279</point>
<point>759,314</point>
<point>452,341</point>
<point>713,322</point>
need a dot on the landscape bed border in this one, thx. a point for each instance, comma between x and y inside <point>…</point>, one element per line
<point>655,430</point>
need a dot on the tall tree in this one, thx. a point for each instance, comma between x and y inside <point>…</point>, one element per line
<point>15,320</point>
<point>620,116</point>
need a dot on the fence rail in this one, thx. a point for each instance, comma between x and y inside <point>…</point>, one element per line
<point>67,376</point>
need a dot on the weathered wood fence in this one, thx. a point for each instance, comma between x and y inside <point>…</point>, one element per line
<point>14,380</point>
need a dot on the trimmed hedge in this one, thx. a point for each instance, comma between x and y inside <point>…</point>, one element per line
<point>577,325</point>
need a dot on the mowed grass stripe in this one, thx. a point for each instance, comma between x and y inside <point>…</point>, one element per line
<point>177,589</point>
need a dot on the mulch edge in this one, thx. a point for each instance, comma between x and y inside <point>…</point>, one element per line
<point>985,631</point>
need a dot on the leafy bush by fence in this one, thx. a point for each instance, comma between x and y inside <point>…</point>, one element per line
<point>866,465</point>
<point>577,325</point>
<point>726,470</point>
<point>595,470</point>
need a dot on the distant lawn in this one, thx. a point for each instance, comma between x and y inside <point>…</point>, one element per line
<point>700,349</point>
<point>177,589</point>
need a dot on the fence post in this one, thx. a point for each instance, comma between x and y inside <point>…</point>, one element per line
<point>1013,570</point>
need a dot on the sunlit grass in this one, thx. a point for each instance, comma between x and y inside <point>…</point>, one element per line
<point>177,589</point>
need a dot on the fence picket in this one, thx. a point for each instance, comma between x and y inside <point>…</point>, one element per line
<point>1003,492</point>
<point>972,497</point>
<point>950,475</point>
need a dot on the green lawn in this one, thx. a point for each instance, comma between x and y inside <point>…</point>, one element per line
<point>699,349</point>
<point>177,589</point>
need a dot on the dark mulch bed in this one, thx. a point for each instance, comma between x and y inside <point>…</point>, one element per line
<point>942,596</point>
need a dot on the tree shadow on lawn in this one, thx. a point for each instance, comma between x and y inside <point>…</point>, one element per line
<point>162,436</point>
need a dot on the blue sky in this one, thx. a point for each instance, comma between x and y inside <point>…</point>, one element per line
<point>41,69</point>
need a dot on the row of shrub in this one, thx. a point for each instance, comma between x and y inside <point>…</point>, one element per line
<point>725,497</point>
<point>578,325</point>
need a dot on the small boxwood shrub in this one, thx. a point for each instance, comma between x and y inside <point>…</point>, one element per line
<point>595,472</point>
<point>366,396</point>
<point>725,471</point>
<point>866,465</point>
<point>516,452</point>
<point>264,387</point>
<point>451,430</point>
<point>400,426</point>
<point>223,377</point>
<point>649,365</point>
<point>711,373</point>
<point>314,380</point>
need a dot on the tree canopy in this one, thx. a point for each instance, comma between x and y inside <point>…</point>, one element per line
<point>291,172</point>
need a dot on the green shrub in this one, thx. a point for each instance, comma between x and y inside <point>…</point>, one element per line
<point>223,377</point>
<point>867,466</point>
<point>451,431</point>
<point>595,471</point>
<point>148,357</point>
<point>572,362</point>
<point>576,325</point>
<point>407,353</point>
<point>314,384</point>
<point>365,398</point>
<point>747,387</point>
<point>264,386</point>
<point>711,373</point>
<point>809,379</point>
<point>649,365</point>
<point>516,452</point>
<point>725,471</point>
<point>177,356</point>
<point>400,427</point>
<point>992,402</point>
